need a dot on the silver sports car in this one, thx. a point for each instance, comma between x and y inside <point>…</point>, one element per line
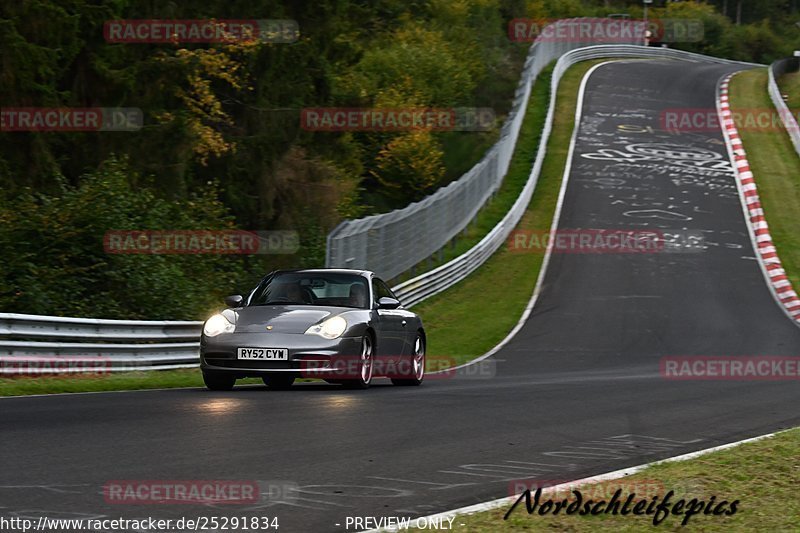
<point>343,326</point>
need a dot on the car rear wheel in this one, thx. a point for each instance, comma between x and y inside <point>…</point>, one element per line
<point>279,381</point>
<point>218,380</point>
<point>365,366</point>
<point>417,365</point>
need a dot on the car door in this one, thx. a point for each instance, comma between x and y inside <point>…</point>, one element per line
<point>391,324</point>
<point>408,322</point>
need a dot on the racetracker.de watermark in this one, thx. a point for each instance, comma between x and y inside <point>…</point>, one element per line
<point>200,31</point>
<point>397,119</point>
<point>759,368</point>
<point>48,365</point>
<point>606,31</point>
<point>347,367</point>
<point>70,119</point>
<point>176,492</point>
<point>705,120</point>
<point>201,242</point>
<point>605,241</point>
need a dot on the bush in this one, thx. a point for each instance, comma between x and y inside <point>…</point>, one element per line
<point>54,261</point>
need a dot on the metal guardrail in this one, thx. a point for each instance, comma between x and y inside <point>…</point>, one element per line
<point>33,344</point>
<point>392,243</point>
<point>776,70</point>
<point>430,283</point>
<point>55,327</point>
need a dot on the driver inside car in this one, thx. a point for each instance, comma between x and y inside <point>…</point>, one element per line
<point>358,296</point>
<point>292,293</point>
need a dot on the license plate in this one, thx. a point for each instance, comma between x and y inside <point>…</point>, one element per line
<point>264,354</point>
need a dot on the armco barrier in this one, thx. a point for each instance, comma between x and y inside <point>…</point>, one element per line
<point>776,70</point>
<point>392,243</point>
<point>116,345</point>
<point>168,344</point>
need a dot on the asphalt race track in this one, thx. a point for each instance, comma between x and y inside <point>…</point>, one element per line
<point>577,392</point>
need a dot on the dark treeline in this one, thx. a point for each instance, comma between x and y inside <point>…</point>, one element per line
<point>222,147</point>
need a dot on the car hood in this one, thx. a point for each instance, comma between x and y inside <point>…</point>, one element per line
<point>281,318</point>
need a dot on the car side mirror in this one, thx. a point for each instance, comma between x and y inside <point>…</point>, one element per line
<point>234,301</point>
<point>388,303</point>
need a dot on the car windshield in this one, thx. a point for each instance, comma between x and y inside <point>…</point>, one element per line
<point>312,288</point>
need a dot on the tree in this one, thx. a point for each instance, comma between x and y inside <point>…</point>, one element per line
<point>410,163</point>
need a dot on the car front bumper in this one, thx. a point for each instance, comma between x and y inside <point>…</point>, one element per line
<point>308,355</point>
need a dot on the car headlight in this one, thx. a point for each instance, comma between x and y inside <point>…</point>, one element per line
<point>330,329</point>
<point>217,324</point>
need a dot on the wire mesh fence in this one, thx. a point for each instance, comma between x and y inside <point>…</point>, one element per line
<point>392,243</point>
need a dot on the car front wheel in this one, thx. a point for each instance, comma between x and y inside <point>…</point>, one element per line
<point>417,373</point>
<point>365,366</point>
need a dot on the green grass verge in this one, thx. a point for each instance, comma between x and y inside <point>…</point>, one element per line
<point>156,379</point>
<point>499,291</point>
<point>762,475</point>
<point>776,168</point>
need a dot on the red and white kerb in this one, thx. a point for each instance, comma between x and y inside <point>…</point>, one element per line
<point>765,248</point>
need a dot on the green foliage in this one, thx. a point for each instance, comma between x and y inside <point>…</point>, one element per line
<point>414,61</point>
<point>55,261</point>
<point>758,42</point>
<point>223,114</point>
<point>762,41</point>
<point>411,163</point>
<point>230,115</point>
